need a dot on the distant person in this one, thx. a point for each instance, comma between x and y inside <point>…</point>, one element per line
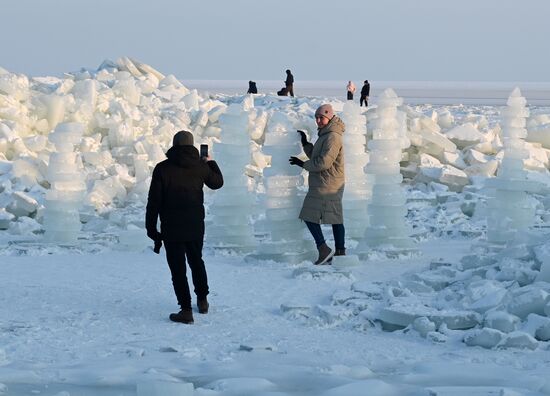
<point>282,92</point>
<point>365,91</point>
<point>326,179</point>
<point>351,90</point>
<point>252,89</point>
<point>176,197</point>
<point>289,83</point>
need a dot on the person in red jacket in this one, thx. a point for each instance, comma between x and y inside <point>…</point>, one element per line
<point>176,196</point>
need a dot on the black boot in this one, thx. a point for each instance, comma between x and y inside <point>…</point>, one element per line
<point>340,252</point>
<point>325,254</point>
<point>183,316</point>
<point>202,305</point>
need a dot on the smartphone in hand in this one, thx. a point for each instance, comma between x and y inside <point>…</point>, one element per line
<point>204,151</point>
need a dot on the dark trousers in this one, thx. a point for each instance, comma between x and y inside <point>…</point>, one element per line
<point>338,231</point>
<point>176,255</point>
<point>290,89</point>
<point>363,99</point>
<point>350,95</point>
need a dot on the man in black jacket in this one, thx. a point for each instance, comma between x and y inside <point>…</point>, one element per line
<point>365,91</point>
<point>289,83</point>
<point>176,196</point>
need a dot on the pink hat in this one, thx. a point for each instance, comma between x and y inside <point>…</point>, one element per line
<point>325,111</point>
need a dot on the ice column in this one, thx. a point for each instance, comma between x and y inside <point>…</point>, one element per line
<point>358,185</point>
<point>230,225</point>
<point>64,198</point>
<point>284,231</point>
<point>387,229</point>
<point>510,209</point>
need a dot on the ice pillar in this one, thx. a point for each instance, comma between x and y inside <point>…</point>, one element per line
<point>230,226</point>
<point>510,209</point>
<point>284,231</point>
<point>67,187</point>
<point>387,229</point>
<point>358,185</point>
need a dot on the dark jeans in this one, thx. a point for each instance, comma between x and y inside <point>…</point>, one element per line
<point>350,95</point>
<point>338,231</point>
<point>363,99</point>
<point>290,89</point>
<point>176,254</point>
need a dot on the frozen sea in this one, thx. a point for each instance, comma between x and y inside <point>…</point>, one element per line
<point>413,92</point>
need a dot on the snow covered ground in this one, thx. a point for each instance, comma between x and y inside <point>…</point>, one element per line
<point>96,324</point>
<point>456,316</point>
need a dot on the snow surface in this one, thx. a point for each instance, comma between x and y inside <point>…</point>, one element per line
<point>454,316</point>
<point>92,323</point>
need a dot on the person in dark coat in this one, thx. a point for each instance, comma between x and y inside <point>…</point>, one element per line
<point>176,196</point>
<point>289,83</point>
<point>365,91</point>
<point>252,89</point>
<point>282,92</point>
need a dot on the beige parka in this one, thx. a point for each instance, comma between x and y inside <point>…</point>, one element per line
<point>326,179</point>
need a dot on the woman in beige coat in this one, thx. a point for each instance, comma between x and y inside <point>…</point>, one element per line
<point>323,202</point>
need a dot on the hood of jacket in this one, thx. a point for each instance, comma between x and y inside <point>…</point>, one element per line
<point>335,125</point>
<point>183,156</point>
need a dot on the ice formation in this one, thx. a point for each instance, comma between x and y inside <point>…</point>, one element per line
<point>491,301</point>
<point>358,185</point>
<point>510,209</point>
<point>230,225</point>
<point>283,229</point>
<point>129,113</point>
<point>67,188</point>
<point>387,228</point>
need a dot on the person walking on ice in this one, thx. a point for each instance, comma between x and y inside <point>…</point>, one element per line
<point>176,196</point>
<point>326,178</point>
<point>289,83</point>
<point>365,91</point>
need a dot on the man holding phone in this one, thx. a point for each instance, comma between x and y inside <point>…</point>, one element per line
<point>176,196</point>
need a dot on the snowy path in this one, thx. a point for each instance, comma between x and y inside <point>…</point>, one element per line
<point>97,324</point>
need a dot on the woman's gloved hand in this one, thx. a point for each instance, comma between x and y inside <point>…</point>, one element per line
<point>296,161</point>
<point>303,137</point>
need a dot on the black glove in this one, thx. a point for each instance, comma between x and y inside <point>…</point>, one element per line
<point>296,161</point>
<point>303,137</point>
<point>154,235</point>
<point>158,245</point>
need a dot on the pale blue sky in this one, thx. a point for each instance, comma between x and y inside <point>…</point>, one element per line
<point>392,40</point>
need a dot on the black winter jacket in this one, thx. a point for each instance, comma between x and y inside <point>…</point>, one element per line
<point>289,79</point>
<point>176,195</point>
<point>365,91</point>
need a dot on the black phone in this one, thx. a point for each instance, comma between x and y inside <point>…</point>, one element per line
<point>204,151</point>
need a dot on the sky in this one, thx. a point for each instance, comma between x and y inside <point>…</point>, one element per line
<point>390,40</point>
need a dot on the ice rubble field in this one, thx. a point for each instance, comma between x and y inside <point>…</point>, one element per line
<point>466,310</point>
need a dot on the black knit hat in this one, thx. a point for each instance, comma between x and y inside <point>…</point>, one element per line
<point>183,138</point>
